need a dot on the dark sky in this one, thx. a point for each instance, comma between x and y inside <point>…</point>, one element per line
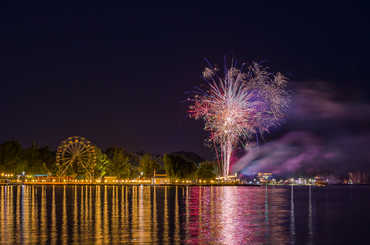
<point>118,76</point>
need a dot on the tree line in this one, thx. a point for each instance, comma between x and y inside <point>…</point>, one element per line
<point>114,161</point>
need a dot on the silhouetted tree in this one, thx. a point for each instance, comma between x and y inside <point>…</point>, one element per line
<point>178,167</point>
<point>121,164</point>
<point>148,164</point>
<point>206,170</point>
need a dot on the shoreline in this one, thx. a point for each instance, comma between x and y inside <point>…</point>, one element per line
<point>161,185</point>
<point>126,184</point>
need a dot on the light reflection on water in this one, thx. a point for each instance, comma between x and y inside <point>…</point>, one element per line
<point>162,215</point>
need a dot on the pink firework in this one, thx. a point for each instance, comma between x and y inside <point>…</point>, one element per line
<point>237,104</point>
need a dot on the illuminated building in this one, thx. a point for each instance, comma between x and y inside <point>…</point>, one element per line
<point>264,177</point>
<point>160,178</point>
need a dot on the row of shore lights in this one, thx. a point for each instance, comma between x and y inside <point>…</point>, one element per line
<point>120,181</point>
<point>6,175</point>
<point>91,181</point>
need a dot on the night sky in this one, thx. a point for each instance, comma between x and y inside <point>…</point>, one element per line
<point>119,76</point>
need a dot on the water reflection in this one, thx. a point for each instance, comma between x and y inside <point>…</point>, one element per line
<point>145,214</point>
<point>310,228</point>
<point>292,216</point>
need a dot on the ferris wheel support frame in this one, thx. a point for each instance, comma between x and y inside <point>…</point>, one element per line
<point>78,151</point>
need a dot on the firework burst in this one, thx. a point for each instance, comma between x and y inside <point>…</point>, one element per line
<point>237,104</point>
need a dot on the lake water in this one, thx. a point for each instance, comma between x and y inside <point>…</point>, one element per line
<point>184,215</point>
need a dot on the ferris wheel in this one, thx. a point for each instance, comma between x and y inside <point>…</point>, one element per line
<point>77,153</point>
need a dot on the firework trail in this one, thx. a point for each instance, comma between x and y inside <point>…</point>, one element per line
<point>237,104</point>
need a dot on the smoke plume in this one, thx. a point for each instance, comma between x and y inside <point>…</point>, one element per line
<point>327,131</point>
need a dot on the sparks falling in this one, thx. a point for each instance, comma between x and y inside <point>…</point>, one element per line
<point>238,104</point>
